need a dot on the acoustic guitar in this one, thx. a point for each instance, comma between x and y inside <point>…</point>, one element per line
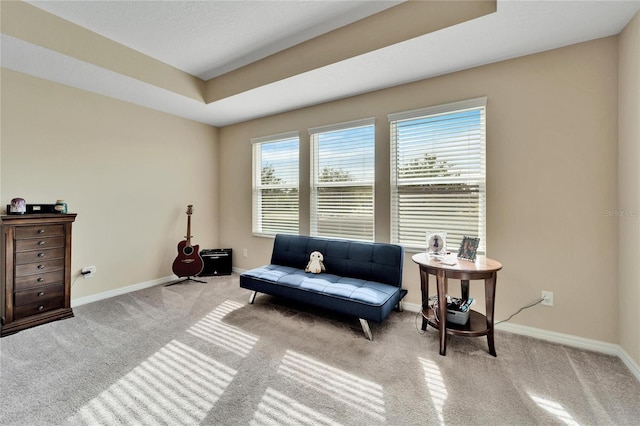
<point>189,262</point>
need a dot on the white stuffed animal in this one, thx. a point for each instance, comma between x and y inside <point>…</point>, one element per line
<point>315,264</point>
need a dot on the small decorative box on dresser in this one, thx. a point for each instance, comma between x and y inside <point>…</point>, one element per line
<point>36,274</point>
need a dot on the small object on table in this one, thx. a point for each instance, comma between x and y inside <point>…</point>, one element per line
<point>436,243</point>
<point>61,207</point>
<point>468,248</point>
<point>18,206</point>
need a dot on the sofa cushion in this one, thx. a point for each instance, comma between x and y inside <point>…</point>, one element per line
<point>369,300</point>
<point>371,292</point>
<point>366,261</point>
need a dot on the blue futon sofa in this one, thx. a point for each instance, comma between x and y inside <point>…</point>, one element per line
<point>362,279</point>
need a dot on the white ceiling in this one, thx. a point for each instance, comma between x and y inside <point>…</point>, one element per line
<point>209,38</point>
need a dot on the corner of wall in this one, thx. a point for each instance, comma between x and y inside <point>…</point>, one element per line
<point>628,209</point>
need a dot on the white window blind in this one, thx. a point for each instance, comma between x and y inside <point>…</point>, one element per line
<point>275,184</point>
<point>438,174</point>
<point>342,180</point>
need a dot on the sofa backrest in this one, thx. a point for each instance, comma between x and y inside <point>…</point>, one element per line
<point>356,259</point>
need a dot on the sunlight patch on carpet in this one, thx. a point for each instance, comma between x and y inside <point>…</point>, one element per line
<point>358,393</point>
<point>175,385</point>
<point>213,330</point>
<point>276,408</point>
<point>556,409</point>
<point>435,385</point>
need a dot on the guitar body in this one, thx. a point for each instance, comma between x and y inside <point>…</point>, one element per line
<point>188,263</point>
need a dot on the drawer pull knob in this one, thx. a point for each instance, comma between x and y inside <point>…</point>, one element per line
<point>40,231</point>
<point>41,307</point>
<point>40,243</point>
<point>40,280</point>
<point>40,266</point>
<point>41,293</point>
<point>40,254</point>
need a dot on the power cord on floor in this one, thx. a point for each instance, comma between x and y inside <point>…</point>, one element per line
<point>434,301</point>
<point>521,309</point>
<point>74,280</point>
<point>86,272</point>
<point>419,314</point>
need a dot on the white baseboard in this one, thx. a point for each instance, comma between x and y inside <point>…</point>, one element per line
<point>629,362</point>
<point>118,291</point>
<point>563,339</point>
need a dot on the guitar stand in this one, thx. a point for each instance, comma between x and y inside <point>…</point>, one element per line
<point>183,280</point>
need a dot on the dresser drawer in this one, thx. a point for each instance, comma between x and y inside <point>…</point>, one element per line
<point>38,280</point>
<point>23,232</point>
<point>24,311</point>
<point>39,243</point>
<point>39,255</point>
<point>38,295</point>
<point>39,267</point>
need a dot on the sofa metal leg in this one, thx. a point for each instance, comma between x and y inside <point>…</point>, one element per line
<point>252,297</point>
<point>366,329</point>
<point>399,307</point>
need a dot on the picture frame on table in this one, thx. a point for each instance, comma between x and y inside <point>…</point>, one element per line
<point>468,248</point>
<point>436,243</point>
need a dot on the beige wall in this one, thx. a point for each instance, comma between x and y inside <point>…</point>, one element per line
<point>629,187</point>
<point>551,175</point>
<point>129,172</point>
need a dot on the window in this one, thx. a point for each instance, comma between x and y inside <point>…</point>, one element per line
<point>342,180</point>
<point>438,174</point>
<point>275,184</point>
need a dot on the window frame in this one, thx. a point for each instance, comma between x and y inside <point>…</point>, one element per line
<point>257,208</point>
<point>315,185</point>
<point>478,179</point>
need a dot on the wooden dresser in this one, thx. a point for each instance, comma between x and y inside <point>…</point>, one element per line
<point>36,273</point>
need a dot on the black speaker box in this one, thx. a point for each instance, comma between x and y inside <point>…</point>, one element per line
<point>216,262</point>
<point>36,208</point>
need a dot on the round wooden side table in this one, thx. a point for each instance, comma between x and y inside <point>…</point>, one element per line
<point>482,268</point>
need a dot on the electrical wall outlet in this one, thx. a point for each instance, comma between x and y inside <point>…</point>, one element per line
<point>88,271</point>
<point>245,253</point>
<point>547,298</point>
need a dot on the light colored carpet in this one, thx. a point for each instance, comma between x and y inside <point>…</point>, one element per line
<point>199,354</point>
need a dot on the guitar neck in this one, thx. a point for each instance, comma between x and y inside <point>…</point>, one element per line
<point>188,237</point>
